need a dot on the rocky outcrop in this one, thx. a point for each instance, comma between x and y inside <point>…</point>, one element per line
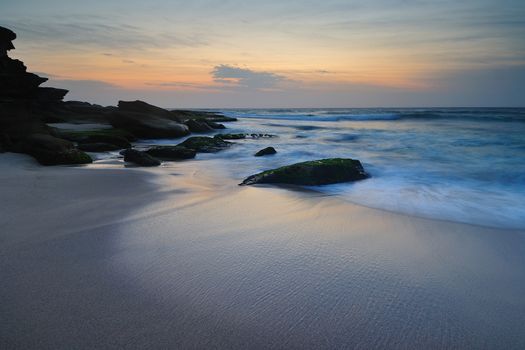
<point>148,126</point>
<point>171,152</point>
<point>265,152</point>
<point>26,108</point>
<point>139,158</point>
<point>198,126</point>
<point>312,173</point>
<point>118,138</point>
<point>205,144</point>
<point>49,150</point>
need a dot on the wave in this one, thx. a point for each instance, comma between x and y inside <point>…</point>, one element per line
<point>338,115</point>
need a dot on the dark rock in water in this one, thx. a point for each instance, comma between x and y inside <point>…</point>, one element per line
<point>230,136</point>
<point>139,158</point>
<point>97,147</point>
<point>146,126</point>
<point>198,126</point>
<point>205,144</point>
<point>6,38</point>
<point>243,136</point>
<point>312,173</point>
<point>265,151</point>
<point>215,125</point>
<point>49,150</point>
<point>171,152</point>
<point>185,115</point>
<point>118,138</point>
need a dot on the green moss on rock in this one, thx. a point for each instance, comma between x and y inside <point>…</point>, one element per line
<point>312,173</point>
<point>205,144</point>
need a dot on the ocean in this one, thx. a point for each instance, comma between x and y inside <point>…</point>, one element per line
<point>457,164</point>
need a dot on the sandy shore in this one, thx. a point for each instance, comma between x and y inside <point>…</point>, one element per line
<point>177,257</point>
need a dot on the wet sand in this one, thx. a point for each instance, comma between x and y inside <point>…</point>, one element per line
<point>179,257</point>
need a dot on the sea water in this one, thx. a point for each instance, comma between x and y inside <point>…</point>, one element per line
<point>461,164</point>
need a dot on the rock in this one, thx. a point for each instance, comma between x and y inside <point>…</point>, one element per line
<point>144,108</point>
<point>119,138</point>
<point>230,136</point>
<point>215,125</point>
<point>6,38</point>
<point>185,115</point>
<point>312,173</point>
<point>265,151</point>
<point>147,126</point>
<point>243,136</point>
<point>49,150</point>
<point>171,152</point>
<point>49,94</point>
<point>97,147</point>
<point>139,158</point>
<point>198,126</point>
<point>205,144</point>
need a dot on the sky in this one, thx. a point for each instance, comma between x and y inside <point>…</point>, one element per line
<point>276,53</point>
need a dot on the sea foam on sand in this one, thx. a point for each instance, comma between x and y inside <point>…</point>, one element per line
<point>181,257</point>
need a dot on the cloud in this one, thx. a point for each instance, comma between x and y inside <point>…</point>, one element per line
<point>246,78</point>
<point>98,32</point>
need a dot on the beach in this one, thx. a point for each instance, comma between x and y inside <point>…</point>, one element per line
<point>104,256</point>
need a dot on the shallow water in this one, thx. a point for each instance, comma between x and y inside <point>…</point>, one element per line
<point>465,165</point>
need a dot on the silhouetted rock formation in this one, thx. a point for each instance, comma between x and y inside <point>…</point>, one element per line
<point>26,108</point>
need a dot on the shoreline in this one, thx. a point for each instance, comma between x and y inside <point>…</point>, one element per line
<point>179,259</point>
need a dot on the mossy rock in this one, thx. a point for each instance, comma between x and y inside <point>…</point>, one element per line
<point>69,157</point>
<point>265,152</point>
<point>312,173</point>
<point>242,136</point>
<point>205,144</point>
<point>50,150</point>
<point>171,152</point>
<point>117,137</point>
<point>139,158</point>
<point>97,147</point>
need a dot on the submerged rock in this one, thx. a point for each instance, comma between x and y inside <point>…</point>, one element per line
<point>139,158</point>
<point>312,173</point>
<point>265,151</point>
<point>205,144</point>
<point>243,136</point>
<point>171,152</point>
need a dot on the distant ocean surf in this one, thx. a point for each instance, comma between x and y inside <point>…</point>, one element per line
<point>461,164</point>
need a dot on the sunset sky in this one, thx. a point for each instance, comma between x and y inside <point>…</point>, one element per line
<point>296,53</point>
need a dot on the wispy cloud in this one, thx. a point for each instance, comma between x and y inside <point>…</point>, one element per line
<point>100,32</point>
<point>246,78</point>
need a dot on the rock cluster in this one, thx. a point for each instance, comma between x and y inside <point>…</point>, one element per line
<point>26,108</point>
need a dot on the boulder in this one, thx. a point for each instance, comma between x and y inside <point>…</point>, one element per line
<point>148,126</point>
<point>118,138</point>
<point>145,108</point>
<point>243,136</point>
<point>312,173</point>
<point>265,151</point>
<point>215,125</point>
<point>198,126</point>
<point>139,158</point>
<point>97,147</point>
<point>205,144</point>
<point>49,150</point>
<point>171,152</point>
